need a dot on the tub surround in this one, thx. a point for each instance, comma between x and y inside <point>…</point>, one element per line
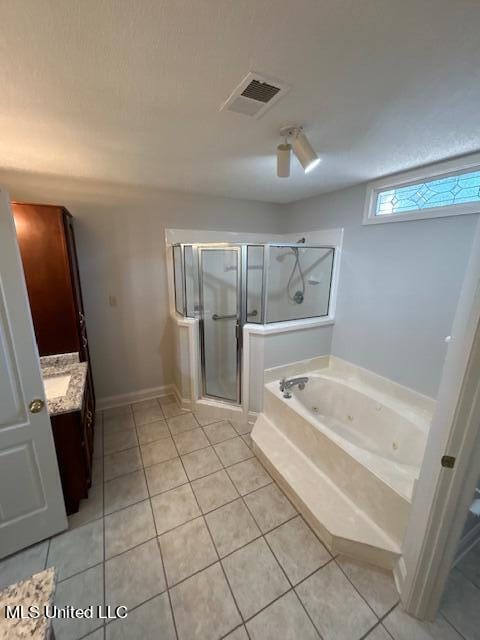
<point>39,591</point>
<point>347,450</point>
<point>59,366</point>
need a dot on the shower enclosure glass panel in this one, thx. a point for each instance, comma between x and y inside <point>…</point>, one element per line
<point>220,321</point>
<point>299,281</point>
<point>179,279</point>
<point>254,283</point>
<point>189,280</point>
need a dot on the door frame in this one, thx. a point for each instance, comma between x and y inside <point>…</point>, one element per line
<point>443,495</point>
<point>240,320</point>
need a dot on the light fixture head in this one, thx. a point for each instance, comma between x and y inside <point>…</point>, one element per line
<point>283,160</point>
<point>301,146</point>
<point>304,151</point>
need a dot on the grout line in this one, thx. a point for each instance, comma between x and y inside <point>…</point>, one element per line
<point>442,615</point>
<point>339,566</point>
<point>158,543</point>
<point>214,546</point>
<point>277,560</point>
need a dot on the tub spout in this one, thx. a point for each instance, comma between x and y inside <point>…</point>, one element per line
<point>286,385</point>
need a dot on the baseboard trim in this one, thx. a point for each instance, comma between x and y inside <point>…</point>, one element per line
<point>109,402</point>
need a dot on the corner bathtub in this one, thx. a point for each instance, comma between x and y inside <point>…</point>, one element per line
<point>364,432</point>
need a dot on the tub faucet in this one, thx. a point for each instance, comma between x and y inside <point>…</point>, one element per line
<point>286,385</point>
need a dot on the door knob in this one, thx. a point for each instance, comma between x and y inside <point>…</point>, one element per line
<point>36,405</point>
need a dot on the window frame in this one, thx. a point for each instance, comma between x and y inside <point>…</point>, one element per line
<point>427,173</point>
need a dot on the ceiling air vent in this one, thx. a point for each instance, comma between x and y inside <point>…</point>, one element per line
<point>254,95</point>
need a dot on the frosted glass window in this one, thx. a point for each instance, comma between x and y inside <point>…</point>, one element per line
<point>299,281</point>
<point>451,190</point>
<point>254,283</point>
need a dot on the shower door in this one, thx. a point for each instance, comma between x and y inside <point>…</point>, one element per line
<point>220,327</point>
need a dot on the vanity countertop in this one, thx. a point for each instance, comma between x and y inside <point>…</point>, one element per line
<point>39,591</point>
<point>62,365</point>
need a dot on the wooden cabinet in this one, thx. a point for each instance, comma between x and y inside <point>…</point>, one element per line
<point>73,436</point>
<point>46,240</point>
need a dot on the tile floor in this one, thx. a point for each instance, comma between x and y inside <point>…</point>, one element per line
<point>185,527</point>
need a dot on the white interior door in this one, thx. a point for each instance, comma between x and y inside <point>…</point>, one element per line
<point>31,499</point>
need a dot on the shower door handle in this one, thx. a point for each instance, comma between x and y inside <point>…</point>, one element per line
<point>226,317</point>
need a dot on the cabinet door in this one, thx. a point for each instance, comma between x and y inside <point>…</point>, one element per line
<point>43,247</point>
<point>77,292</point>
<point>87,421</point>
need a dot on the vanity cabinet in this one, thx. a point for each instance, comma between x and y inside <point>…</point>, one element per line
<point>46,240</point>
<point>73,436</point>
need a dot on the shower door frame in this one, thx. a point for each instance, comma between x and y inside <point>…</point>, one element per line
<point>241,251</point>
<point>242,283</point>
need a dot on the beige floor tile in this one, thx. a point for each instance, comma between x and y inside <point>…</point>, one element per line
<point>255,577</point>
<point>181,423</point>
<point>174,507</point>
<point>119,441</point>
<point>232,451</point>
<point>239,634</point>
<point>401,626</point>
<point>118,464</point>
<point>285,619</point>
<point>461,605</point>
<point>125,490</point>
<point>152,431</point>
<point>248,476</point>
<point>270,507</point>
<point>337,610</point>
<point>376,585</point>
<point>158,451</point>
<point>205,420</point>
<point>186,550</point>
<point>231,526</point>
<point>189,441</point>
<point>297,549</point>
<point>241,428</point>
<point>214,490</point>
<point>379,633</point>
<point>469,565</point>
<point>248,441</point>
<point>168,399</point>
<point>201,463</point>
<point>76,550</point>
<point>164,476</point>
<point>172,410</point>
<point>118,422</point>
<point>203,606</point>
<point>151,621</point>
<point>147,411</point>
<point>219,432</point>
<point>90,508</point>
<point>127,528</point>
<point>134,576</point>
<point>23,564</point>
<point>81,590</point>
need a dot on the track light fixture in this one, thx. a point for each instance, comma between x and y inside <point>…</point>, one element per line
<point>301,147</point>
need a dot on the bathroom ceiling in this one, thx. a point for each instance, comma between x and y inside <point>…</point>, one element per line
<point>129,92</point>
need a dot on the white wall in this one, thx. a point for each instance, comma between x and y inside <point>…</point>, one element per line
<point>120,238</point>
<point>398,289</point>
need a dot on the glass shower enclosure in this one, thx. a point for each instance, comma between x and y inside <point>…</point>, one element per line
<point>225,286</point>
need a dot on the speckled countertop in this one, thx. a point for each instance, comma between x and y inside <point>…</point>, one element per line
<point>60,365</point>
<point>39,591</point>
